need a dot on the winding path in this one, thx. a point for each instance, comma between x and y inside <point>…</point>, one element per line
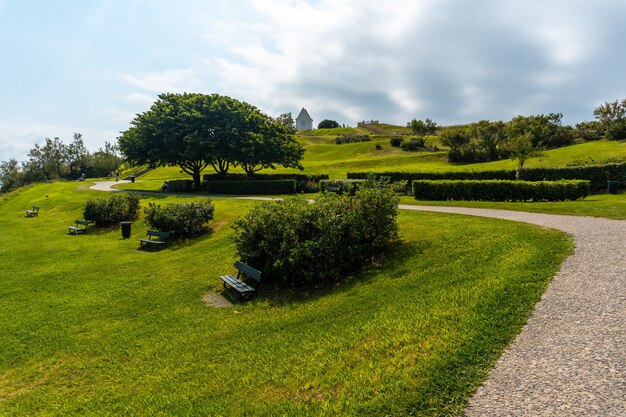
<point>570,358</point>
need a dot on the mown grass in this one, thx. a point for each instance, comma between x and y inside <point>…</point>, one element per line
<point>612,206</point>
<point>323,156</point>
<point>93,326</point>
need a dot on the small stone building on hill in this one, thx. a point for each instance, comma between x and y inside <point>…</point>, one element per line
<point>304,121</point>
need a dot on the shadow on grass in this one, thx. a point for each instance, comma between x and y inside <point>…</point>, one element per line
<point>393,262</point>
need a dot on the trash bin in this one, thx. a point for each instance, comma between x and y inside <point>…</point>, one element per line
<point>126,229</point>
<point>132,178</point>
<point>612,187</point>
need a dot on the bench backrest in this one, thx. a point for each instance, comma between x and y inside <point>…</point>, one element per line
<point>82,222</point>
<point>248,271</point>
<point>162,235</point>
<point>35,208</point>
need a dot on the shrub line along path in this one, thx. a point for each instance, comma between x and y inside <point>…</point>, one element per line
<point>570,358</point>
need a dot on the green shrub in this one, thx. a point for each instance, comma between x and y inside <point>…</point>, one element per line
<point>304,183</point>
<point>180,186</point>
<point>597,175</point>
<point>294,241</point>
<point>252,187</point>
<point>113,209</point>
<point>396,141</point>
<point>351,138</point>
<point>499,190</point>
<point>180,219</point>
<point>413,145</point>
<point>340,186</point>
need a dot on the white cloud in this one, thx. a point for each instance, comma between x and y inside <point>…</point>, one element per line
<point>18,137</point>
<point>168,81</point>
<point>140,99</point>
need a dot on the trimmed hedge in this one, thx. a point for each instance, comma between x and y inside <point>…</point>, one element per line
<point>500,190</point>
<point>293,241</point>
<point>340,186</point>
<point>597,175</point>
<point>112,209</point>
<point>180,219</point>
<point>252,187</point>
<point>304,183</point>
<point>180,186</point>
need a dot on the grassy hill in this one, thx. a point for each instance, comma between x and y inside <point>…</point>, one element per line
<point>93,326</point>
<point>323,156</point>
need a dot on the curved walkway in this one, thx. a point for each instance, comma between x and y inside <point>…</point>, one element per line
<point>570,358</point>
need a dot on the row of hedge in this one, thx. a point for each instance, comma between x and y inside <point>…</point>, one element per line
<point>252,187</point>
<point>294,241</point>
<point>304,183</point>
<point>500,190</point>
<point>597,175</point>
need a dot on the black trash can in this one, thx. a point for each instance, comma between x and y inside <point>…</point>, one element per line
<point>612,187</point>
<point>126,229</point>
<point>132,178</point>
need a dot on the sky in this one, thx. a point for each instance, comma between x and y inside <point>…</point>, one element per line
<point>90,66</point>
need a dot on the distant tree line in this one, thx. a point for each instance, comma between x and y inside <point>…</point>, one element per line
<point>57,160</point>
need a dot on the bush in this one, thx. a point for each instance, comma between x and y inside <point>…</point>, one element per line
<point>252,187</point>
<point>304,183</point>
<point>180,186</point>
<point>294,241</point>
<point>497,190</point>
<point>413,145</point>
<point>597,175</point>
<point>116,208</point>
<point>180,219</point>
<point>352,138</point>
<point>340,186</point>
<point>328,124</point>
<point>396,141</point>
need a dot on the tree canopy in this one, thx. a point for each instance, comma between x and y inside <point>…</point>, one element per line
<point>194,131</point>
<point>328,124</point>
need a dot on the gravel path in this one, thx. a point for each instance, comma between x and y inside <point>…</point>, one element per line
<point>570,358</point>
<point>106,185</point>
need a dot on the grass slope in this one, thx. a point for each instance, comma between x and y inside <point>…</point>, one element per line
<point>93,326</point>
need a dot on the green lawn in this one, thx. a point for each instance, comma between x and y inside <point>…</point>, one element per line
<point>323,156</point>
<point>612,206</point>
<point>93,326</point>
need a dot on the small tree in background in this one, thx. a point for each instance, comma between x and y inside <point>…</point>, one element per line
<point>522,149</point>
<point>422,128</point>
<point>286,119</point>
<point>612,116</point>
<point>328,124</point>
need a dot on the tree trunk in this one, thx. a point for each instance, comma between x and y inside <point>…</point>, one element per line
<point>196,179</point>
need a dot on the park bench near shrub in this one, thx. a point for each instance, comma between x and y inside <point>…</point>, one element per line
<point>34,212</point>
<point>155,239</point>
<point>237,284</point>
<point>77,230</point>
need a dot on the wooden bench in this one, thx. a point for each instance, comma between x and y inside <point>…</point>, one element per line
<point>77,230</point>
<point>34,212</point>
<point>237,284</point>
<point>159,241</point>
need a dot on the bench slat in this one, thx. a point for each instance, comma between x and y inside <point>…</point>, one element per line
<point>235,284</point>
<point>248,271</point>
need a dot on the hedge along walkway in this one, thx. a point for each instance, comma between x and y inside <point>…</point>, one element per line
<point>570,358</point>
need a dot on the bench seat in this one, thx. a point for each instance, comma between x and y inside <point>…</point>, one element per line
<point>76,230</point>
<point>155,239</point>
<point>237,284</point>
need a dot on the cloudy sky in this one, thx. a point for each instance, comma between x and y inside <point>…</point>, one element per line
<point>90,66</point>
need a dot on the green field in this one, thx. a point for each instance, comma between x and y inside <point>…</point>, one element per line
<point>93,326</point>
<point>323,156</point>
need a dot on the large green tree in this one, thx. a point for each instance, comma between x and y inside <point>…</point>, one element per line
<point>194,131</point>
<point>266,143</point>
<point>184,130</point>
